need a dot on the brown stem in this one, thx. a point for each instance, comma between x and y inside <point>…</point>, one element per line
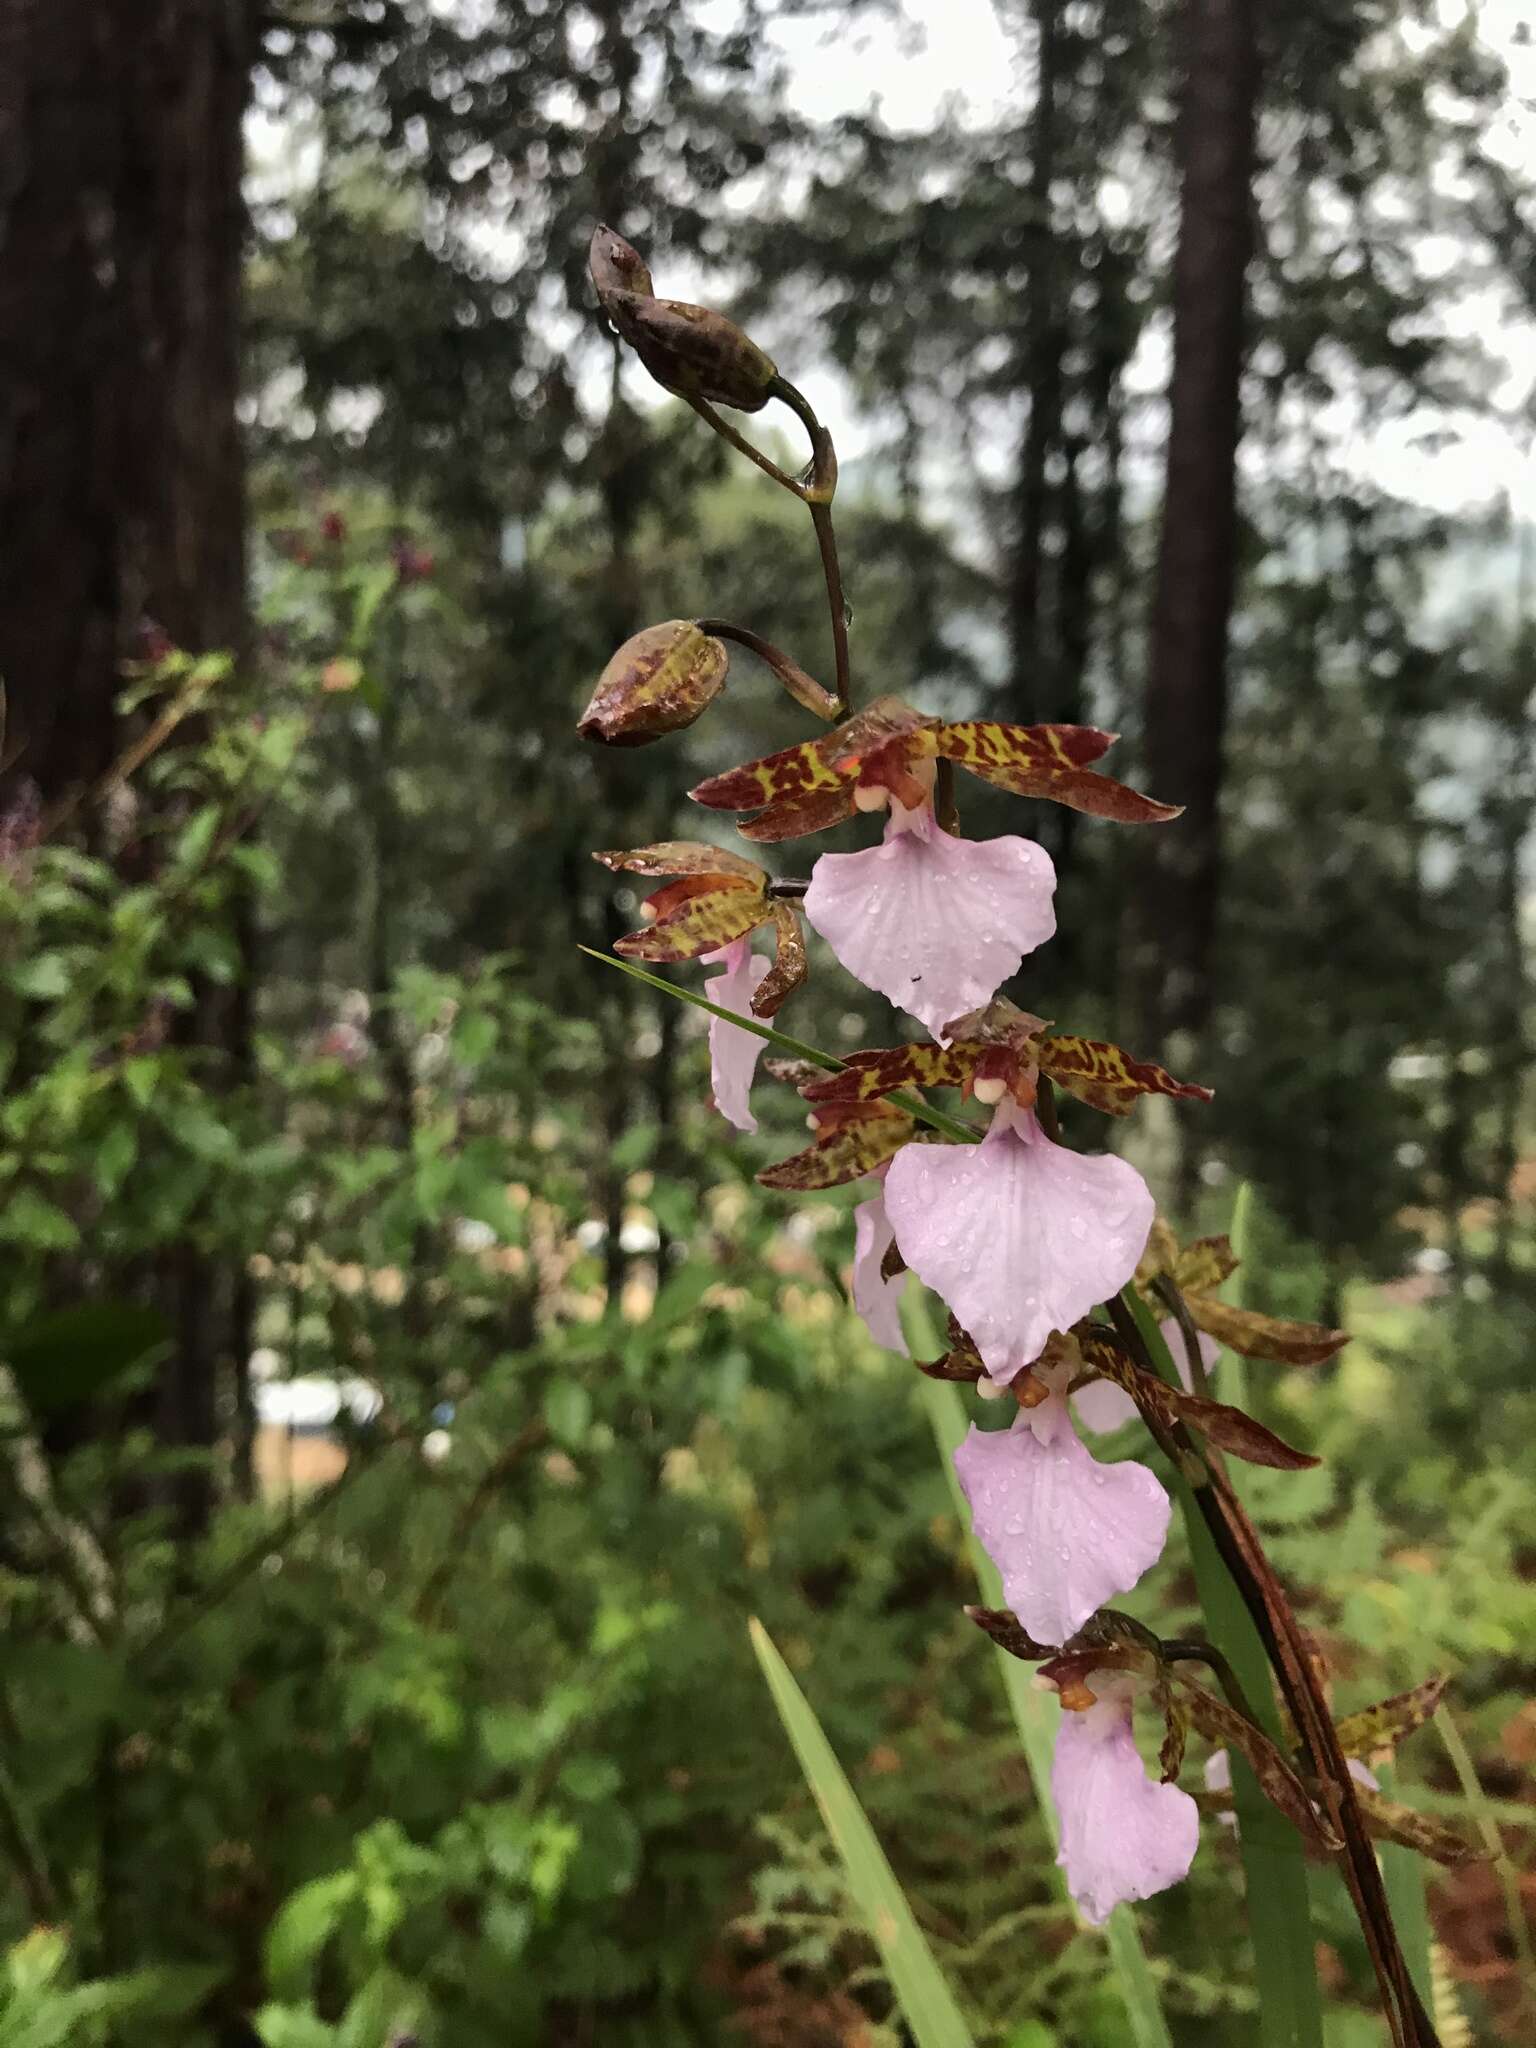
<point>804,689</point>
<point>817,492</point>
<point>742,445</point>
<point>821,518</point>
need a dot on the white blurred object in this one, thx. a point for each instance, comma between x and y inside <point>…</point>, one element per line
<point>313,1403</point>
<point>436,1445</point>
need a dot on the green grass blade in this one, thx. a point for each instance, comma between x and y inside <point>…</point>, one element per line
<point>1488,1827</point>
<point>926,2002</point>
<point>951,1126</point>
<point>1035,1714</point>
<point>1232,1370</point>
<point>1274,1862</point>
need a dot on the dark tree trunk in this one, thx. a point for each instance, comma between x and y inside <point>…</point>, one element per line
<point>121,229</point>
<point>1187,682</point>
<point>120,243</point>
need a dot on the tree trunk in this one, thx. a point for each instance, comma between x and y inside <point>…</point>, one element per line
<point>121,229</point>
<point>1174,917</point>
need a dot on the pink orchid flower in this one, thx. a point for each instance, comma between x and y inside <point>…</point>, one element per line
<point>1065,1532</point>
<point>1018,1235</point>
<point>877,1299</point>
<point>936,924</point>
<point>1102,1406</point>
<point>1123,1836</point>
<point>733,1053</point>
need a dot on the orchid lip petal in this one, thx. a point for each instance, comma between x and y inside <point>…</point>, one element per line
<point>1123,1837</point>
<point>1066,1533</point>
<point>1018,1235</point>
<point>935,923</point>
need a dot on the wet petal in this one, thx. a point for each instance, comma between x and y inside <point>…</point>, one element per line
<point>1065,1532</point>
<point>733,1053</point>
<point>935,923</point>
<point>1122,1836</point>
<point>877,1299</point>
<point>1019,1236</point>
<point>1104,1406</point>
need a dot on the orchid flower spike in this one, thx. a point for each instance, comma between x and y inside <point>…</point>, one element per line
<point>1065,1532</point>
<point>935,923</point>
<point>1123,1836</point>
<point>733,1053</point>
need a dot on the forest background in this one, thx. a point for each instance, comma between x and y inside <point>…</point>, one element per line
<point>413,1701</point>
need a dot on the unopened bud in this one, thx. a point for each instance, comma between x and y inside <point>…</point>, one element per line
<point>698,353</point>
<point>657,683</point>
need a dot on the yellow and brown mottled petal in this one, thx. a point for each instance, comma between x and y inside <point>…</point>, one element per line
<point>1223,1725</point>
<point>867,1074</point>
<point>697,914</point>
<point>1203,1264</point>
<point>1258,1336</point>
<point>789,967</point>
<point>1160,1256</point>
<point>1228,1428</point>
<point>1390,1821</point>
<point>1377,1730</point>
<point>795,820</point>
<point>1049,761</point>
<point>1107,1078</point>
<point>790,775</point>
<point>681,857</point>
<point>658,682</point>
<point>852,1139</point>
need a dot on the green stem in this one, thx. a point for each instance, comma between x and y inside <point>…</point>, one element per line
<point>1477,1799</point>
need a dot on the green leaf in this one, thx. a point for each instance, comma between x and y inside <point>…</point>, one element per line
<point>26,1217</point>
<point>568,1411</point>
<point>43,978</point>
<point>307,1920</point>
<point>64,1358</point>
<point>925,1999</point>
<point>116,1151</point>
<point>634,1148</point>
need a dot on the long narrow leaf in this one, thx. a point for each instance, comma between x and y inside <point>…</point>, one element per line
<point>926,2001</point>
<point>1274,1862</point>
<point>1035,1714</point>
<point>951,1126</point>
